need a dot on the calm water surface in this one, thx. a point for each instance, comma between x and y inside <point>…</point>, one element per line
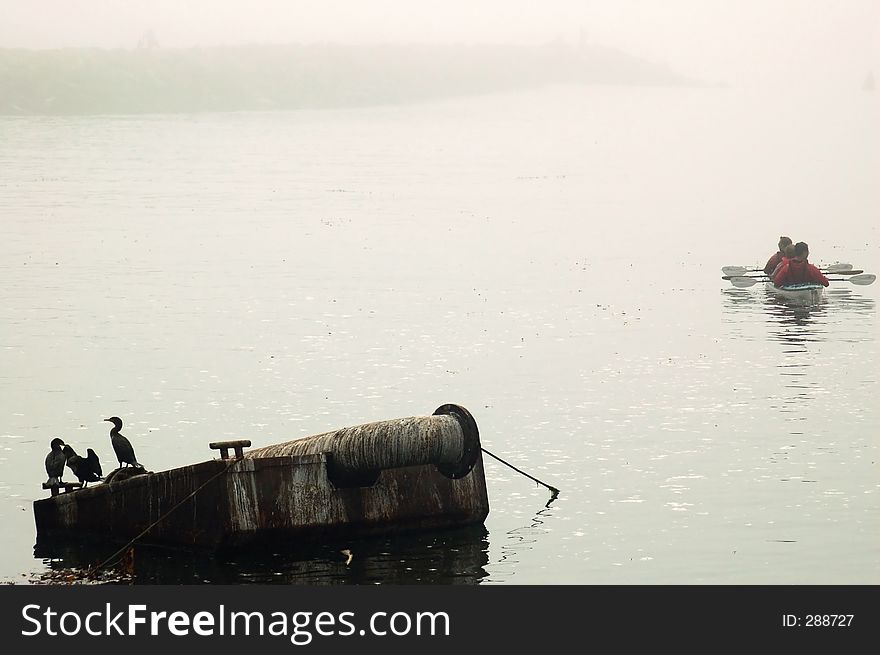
<point>548,259</point>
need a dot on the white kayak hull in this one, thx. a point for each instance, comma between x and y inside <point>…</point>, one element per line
<point>801,294</point>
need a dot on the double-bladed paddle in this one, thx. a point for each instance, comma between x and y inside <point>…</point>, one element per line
<point>743,281</point>
<point>742,270</point>
<point>763,277</point>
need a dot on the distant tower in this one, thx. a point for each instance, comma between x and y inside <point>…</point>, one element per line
<point>148,41</point>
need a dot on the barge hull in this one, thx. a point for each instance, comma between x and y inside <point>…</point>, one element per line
<point>277,496</point>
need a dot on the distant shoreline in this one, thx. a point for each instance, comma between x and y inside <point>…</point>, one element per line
<point>81,81</point>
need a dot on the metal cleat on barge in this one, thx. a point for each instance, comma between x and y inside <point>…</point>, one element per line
<point>387,477</point>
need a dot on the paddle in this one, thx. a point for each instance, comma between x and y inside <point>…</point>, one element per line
<point>855,271</point>
<point>742,281</point>
<point>863,280</point>
<point>742,270</point>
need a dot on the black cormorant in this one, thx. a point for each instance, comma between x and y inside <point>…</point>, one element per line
<point>121,446</point>
<point>55,461</point>
<point>94,462</point>
<point>82,468</point>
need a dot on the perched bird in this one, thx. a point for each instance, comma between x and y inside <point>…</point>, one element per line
<point>55,461</point>
<point>121,446</point>
<point>94,462</point>
<point>82,467</point>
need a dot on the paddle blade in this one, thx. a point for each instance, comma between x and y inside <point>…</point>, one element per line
<point>734,270</point>
<point>838,268</point>
<point>864,279</point>
<point>742,282</point>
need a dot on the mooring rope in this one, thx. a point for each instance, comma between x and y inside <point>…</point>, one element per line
<point>152,525</point>
<point>550,487</point>
<point>226,468</point>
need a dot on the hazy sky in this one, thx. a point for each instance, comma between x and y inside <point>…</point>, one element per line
<point>765,41</point>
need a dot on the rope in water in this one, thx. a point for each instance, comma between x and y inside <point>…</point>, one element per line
<point>550,487</point>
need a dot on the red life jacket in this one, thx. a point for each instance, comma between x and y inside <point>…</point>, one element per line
<point>782,262</point>
<point>772,263</point>
<point>798,271</point>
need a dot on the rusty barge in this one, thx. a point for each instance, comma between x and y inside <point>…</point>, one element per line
<point>408,474</point>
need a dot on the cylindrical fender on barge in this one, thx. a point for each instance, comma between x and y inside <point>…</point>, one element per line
<point>448,439</point>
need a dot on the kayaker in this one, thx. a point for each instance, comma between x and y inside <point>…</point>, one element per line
<point>787,254</point>
<point>798,270</point>
<point>775,260</point>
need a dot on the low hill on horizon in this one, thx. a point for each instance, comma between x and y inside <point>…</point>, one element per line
<point>79,81</point>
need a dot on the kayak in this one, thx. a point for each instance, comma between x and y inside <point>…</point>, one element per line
<point>808,293</point>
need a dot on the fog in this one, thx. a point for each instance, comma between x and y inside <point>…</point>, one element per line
<point>266,219</point>
<point>747,42</point>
